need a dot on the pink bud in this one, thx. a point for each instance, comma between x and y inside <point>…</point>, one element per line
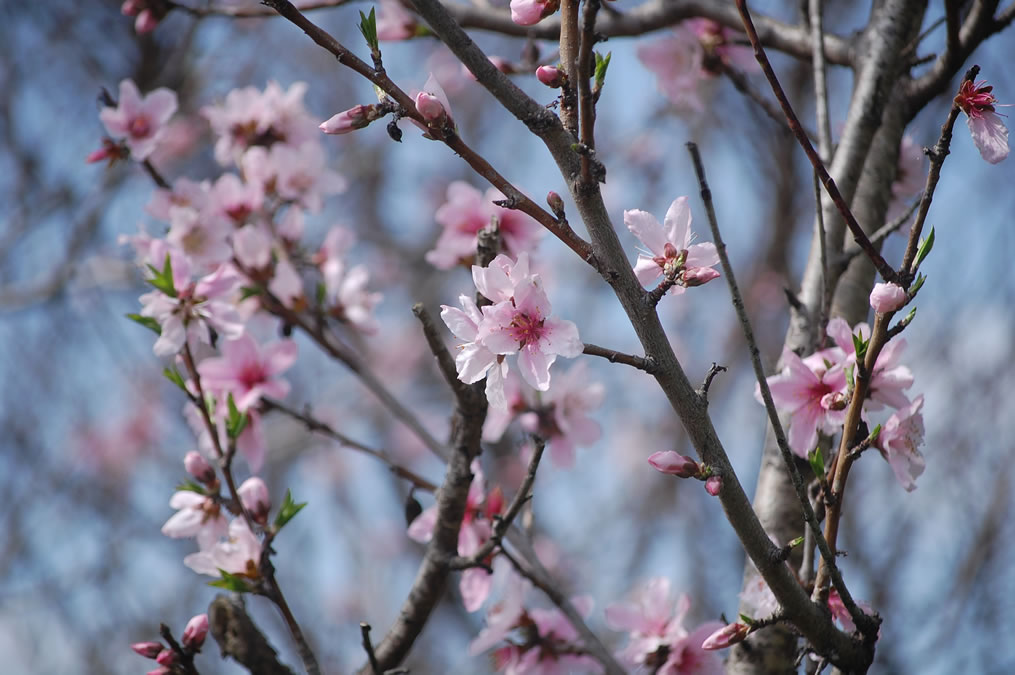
<point>728,635</point>
<point>697,276</point>
<point>674,464</point>
<point>551,76</point>
<point>888,298</point>
<point>149,650</point>
<point>195,632</point>
<point>713,484</point>
<point>430,107</point>
<point>161,670</point>
<point>131,7</point>
<point>254,495</point>
<point>556,204</point>
<point>146,22</point>
<point>531,12</point>
<point>198,467</point>
<point>166,657</point>
<point>347,120</point>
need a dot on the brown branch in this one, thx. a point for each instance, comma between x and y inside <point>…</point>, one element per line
<point>859,235</point>
<point>239,638</point>
<point>246,13</point>
<point>639,362</point>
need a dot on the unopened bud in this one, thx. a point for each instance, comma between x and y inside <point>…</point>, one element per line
<point>698,276</point>
<point>149,650</point>
<point>674,464</point>
<point>728,635</point>
<point>354,118</point>
<point>556,204</point>
<point>551,76</point>
<point>430,107</point>
<point>167,657</point>
<point>195,632</point>
<point>887,297</point>
<point>255,499</point>
<point>198,467</point>
<point>713,484</point>
<point>146,22</point>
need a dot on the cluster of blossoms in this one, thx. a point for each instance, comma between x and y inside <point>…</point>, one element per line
<point>191,641</point>
<point>692,54</point>
<point>517,322</point>
<point>814,390</point>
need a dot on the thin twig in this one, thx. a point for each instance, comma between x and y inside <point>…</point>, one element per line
<point>186,658</point>
<point>368,647</point>
<point>766,394</point>
<point>639,362</point>
<point>586,103</point>
<point>245,13</point>
<point>712,372</point>
<point>820,87</point>
<point>879,236</point>
<point>859,235</point>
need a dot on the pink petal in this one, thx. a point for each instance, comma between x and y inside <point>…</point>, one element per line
<point>648,230</point>
<point>677,224</point>
<point>990,136</point>
<point>534,367</point>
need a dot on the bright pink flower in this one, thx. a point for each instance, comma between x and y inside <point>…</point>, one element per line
<point>520,323</point>
<point>551,76</point>
<point>888,379</point>
<point>671,247</point>
<point>139,121</point>
<point>988,131</point>
<point>195,632</point>
<point>888,298</point>
<point>477,526</point>
<point>531,12</point>
<point>898,441</point>
<point>465,213</point>
<point>727,636</point>
<point>808,393</point>
<point>713,485</point>
<point>674,463</point>
<point>248,371</point>
<point>656,629</point>
<point>197,516</point>
<point>255,498</point>
<point>239,554</point>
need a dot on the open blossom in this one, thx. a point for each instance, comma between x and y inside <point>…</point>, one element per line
<point>474,361</point>
<point>811,393</point>
<point>670,247</point>
<point>248,371</point>
<point>658,638</point>
<point>889,379</point>
<point>465,213</point>
<point>139,121</point>
<point>477,526</point>
<point>562,418</point>
<point>898,441</point>
<point>197,516</point>
<point>677,61</point>
<point>238,554</point>
<point>989,133</point>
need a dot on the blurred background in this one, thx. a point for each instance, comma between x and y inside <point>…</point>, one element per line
<point>92,436</point>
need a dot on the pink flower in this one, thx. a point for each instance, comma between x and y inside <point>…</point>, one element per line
<point>671,248</point>
<point>888,379</point>
<point>674,463</point>
<point>474,361</point>
<point>657,633</point>
<point>551,76</point>
<point>433,105</point>
<point>727,636</point>
<point>888,298</point>
<point>297,173</point>
<point>531,12</point>
<point>898,441</point>
<point>465,213</point>
<point>519,322</point>
<point>477,526</point>
<point>394,22</point>
<point>195,632</point>
<point>247,371</point>
<point>719,42</point>
<point>677,62</point>
<point>239,554</point>
<point>841,614</point>
<point>809,394</point>
<point>255,498</point>
<point>197,516</point>
<point>503,617</point>
<point>139,121</point>
<point>562,418</point>
<point>988,131</point>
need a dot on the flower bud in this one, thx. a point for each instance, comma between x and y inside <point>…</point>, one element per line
<point>674,464</point>
<point>149,650</point>
<point>728,635</point>
<point>698,276</point>
<point>430,107</point>
<point>198,467</point>
<point>255,499</point>
<point>354,118</point>
<point>556,204</point>
<point>195,632</point>
<point>166,657</point>
<point>888,298</point>
<point>147,20</point>
<point>551,76</point>
<point>713,484</point>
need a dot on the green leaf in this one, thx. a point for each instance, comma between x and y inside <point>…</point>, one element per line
<point>874,434</point>
<point>236,422</point>
<point>917,285</point>
<point>368,27</point>
<point>231,582</point>
<point>817,461</point>
<point>287,510</point>
<point>321,294</point>
<point>163,280</point>
<point>146,321</point>
<point>746,620</point>
<point>925,248</point>
<point>860,347</point>
<point>602,64</point>
<point>191,486</point>
<point>909,317</point>
<point>796,542</point>
<point>173,375</point>
<point>250,292</point>
<point>850,382</point>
